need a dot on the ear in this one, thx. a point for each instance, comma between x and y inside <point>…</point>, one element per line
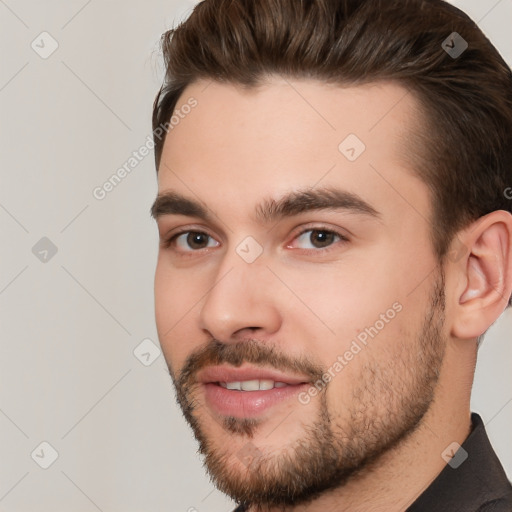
<point>484,280</point>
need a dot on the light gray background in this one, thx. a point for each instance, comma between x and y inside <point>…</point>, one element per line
<point>69,326</point>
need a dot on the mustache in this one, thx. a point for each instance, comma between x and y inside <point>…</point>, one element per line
<point>215,352</point>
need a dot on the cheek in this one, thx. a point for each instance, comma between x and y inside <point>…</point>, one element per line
<point>374,354</point>
<point>343,315</point>
<point>177,294</point>
<point>338,301</point>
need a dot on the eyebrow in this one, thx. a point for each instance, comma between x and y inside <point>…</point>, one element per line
<point>271,210</point>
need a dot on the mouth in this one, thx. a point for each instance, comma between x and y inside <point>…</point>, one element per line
<point>252,385</point>
<point>247,392</point>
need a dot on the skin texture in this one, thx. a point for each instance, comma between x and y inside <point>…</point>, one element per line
<point>372,438</point>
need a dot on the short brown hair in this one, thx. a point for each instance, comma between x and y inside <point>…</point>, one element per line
<point>465,155</point>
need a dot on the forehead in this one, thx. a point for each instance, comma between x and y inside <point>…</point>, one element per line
<point>236,145</point>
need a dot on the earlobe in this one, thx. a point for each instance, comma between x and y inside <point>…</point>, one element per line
<point>487,274</point>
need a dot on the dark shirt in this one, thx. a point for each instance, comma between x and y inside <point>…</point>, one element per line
<point>478,484</point>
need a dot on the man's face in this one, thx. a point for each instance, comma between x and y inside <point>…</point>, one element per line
<point>299,303</point>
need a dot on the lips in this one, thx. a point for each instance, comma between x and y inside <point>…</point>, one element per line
<point>216,374</point>
<point>246,392</point>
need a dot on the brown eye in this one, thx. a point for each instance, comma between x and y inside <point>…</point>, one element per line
<point>320,239</point>
<point>197,240</point>
<point>193,241</point>
<point>317,239</point>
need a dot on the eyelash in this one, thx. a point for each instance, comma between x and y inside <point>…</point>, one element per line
<point>168,242</point>
<point>322,229</point>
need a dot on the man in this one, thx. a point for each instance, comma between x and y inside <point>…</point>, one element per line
<point>335,241</point>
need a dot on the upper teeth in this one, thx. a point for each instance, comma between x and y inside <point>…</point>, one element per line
<point>253,385</point>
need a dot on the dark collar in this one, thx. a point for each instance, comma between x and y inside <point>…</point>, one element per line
<point>478,484</point>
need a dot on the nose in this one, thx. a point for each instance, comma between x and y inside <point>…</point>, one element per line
<point>241,302</point>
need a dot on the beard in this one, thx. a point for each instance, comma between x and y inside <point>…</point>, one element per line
<point>388,401</point>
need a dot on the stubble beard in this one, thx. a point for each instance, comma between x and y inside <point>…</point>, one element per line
<point>332,449</point>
